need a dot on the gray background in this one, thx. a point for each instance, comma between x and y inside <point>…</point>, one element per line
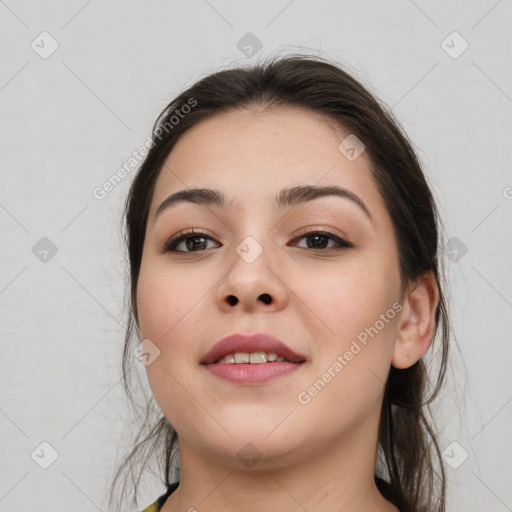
<point>72,118</point>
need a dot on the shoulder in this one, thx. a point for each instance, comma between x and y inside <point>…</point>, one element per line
<point>158,504</point>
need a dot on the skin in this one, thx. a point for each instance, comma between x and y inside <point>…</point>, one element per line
<point>316,456</point>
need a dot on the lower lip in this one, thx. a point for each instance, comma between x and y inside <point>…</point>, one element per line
<point>255,373</point>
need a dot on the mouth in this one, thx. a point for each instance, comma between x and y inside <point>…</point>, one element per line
<point>251,359</point>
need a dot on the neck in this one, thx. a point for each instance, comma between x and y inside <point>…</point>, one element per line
<point>318,481</point>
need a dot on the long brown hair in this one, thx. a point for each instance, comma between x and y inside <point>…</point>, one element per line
<point>409,470</point>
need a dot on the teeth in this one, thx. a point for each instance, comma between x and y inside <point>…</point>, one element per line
<point>241,357</point>
<point>254,357</point>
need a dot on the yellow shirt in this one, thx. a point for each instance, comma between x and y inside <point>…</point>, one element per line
<point>157,505</point>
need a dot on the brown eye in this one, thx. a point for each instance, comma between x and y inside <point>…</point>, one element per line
<point>319,239</point>
<point>194,241</point>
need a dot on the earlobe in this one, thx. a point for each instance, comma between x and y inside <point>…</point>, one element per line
<point>416,323</point>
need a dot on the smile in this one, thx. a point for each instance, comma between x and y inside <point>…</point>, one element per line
<point>253,358</point>
<point>250,373</point>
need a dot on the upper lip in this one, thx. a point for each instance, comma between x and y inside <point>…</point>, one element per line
<point>249,343</point>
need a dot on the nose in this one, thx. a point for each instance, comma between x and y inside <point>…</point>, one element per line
<point>264,297</point>
<point>254,286</point>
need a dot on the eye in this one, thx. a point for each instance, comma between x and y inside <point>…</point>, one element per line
<point>318,239</point>
<point>195,241</point>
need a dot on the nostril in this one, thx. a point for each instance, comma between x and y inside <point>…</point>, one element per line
<point>232,300</point>
<point>265,297</point>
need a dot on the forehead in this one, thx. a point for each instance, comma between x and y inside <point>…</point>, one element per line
<point>250,155</point>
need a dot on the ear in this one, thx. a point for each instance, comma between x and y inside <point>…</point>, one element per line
<point>416,322</point>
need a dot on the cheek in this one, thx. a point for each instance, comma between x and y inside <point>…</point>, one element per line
<point>350,299</point>
<point>168,309</point>
<point>170,305</point>
<point>358,312</point>
<point>349,374</point>
<point>164,298</point>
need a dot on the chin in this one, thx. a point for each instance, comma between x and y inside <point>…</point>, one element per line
<point>259,439</point>
<point>255,453</point>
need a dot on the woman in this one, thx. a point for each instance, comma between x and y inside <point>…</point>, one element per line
<point>285,288</point>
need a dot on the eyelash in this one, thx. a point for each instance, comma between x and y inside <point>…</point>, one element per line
<point>170,246</point>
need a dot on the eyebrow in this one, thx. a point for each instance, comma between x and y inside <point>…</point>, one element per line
<point>287,197</point>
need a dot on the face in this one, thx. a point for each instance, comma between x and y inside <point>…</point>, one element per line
<point>327,268</point>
